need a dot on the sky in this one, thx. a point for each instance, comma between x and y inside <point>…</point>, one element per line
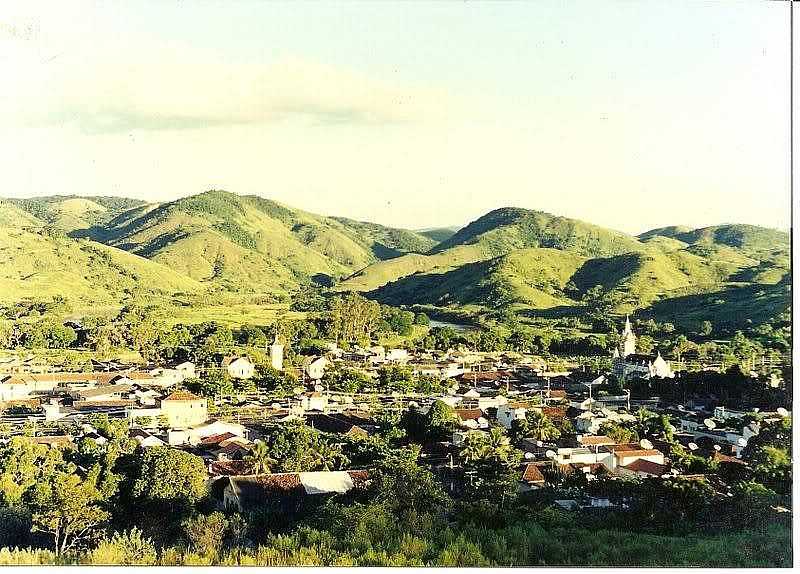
<point>627,114</point>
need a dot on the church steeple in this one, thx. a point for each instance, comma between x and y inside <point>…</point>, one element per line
<point>627,343</point>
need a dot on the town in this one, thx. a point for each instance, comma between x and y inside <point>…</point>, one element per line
<point>486,423</point>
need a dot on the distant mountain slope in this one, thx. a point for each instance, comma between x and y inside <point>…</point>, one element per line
<point>388,242</point>
<point>86,273</point>
<point>498,233</point>
<point>248,243</point>
<point>506,229</point>
<point>749,239</point>
<point>70,213</point>
<point>439,234</point>
<point>532,277</point>
<point>12,215</point>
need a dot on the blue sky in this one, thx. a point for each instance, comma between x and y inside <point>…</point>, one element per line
<point>627,114</point>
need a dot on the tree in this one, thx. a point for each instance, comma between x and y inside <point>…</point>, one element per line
<point>706,328</point>
<point>540,427</point>
<point>206,533</point>
<point>490,464</point>
<point>171,477</point>
<point>128,548</point>
<point>406,487</point>
<point>259,458</point>
<point>618,432</point>
<point>23,464</point>
<point>440,420</point>
<point>68,509</point>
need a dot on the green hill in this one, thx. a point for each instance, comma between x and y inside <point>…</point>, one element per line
<point>12,215</point>
<point>749,239</point>
<point>86,273</point>
<point>71,213</point>
<point>439,234</point>
<point>498,233</point>
<point>252,244</point>
<point>527,277</point>
<point>504,230</point>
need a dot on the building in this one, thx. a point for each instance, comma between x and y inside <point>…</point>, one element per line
<point>627,364</point>
<point>239,367</point>
<point>276,354</point>
<point>183,409</point>
<point>315,367</point>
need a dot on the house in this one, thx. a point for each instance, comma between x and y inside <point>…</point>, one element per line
<point>532,476</point>
<point>315,401</point>
<point>348,425</point>
<point>625,454</point>
<point>315,367</point>
<point>507,414</point>
<point>184,409</point>
<point>397,355</point>
<point>238,367</point>
<point>14,387</point>
<point>145,439</point>
<point>186,368</point>
<point>644,468</point>
<point>472,418</point>
<point>245,493</point>
<point>103,393</point>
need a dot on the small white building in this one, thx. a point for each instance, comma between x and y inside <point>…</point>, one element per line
<point>397,355</point>
<point>315,367</point>
<point>239,367</point>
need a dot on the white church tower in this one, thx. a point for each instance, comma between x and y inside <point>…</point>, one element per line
<point>276,354</point>
<point>627,343</point>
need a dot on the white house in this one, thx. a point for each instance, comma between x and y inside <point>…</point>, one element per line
<point>239,367</point>
<point>315,367</point>
<point>187,369</point>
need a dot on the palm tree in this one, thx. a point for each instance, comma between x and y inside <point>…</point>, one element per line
<point>499,444</point>
<point>329,456</point>
<point>259,459</point>
<point>475,447</point>
<point>540,427</point>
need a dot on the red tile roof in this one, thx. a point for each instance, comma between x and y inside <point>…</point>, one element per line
<point>532,473</point>
<point>647,467</point>
<point>469,414</point>
<point>599,440</point>
<point>182,396</point>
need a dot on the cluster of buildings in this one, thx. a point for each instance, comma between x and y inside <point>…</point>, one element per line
<point>485,390</point>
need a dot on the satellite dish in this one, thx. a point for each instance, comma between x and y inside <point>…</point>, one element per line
<point>599,380</point>
<point>783,412</point>
<point>717,447</point>
<point>681,407</point>
<point>550,454</point>
<point>276,406</point>
<point>645,444</point>
<point>755,410</point>
<point>298,390</point>
<point>319,388</point>
<point>529,455</point>
<point>539,443</point>
<point>710,423</point>
<point>693,446</point>
<point>741,441</point>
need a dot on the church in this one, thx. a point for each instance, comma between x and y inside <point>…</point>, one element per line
<point>628,364</point>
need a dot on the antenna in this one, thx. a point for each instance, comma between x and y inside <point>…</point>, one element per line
<point>529,455</point>
<point>539,443</point>
<point>741,441</point>
<point>717,448</point>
